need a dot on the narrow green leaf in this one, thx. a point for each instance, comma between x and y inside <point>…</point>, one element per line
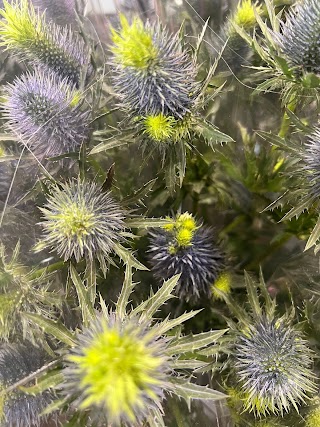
<point>56,329</point>
<point>189,391</point>
<point>108,145</point>
<point>167,325</point>
<point>161,296</point>
<point>127,257</point>
<point>314,236</point>
<point>194,342</point>
<point>84,296</point>
<point>211,134</point>
<point>187,364</point>
<point>147,222</point>
<point>126,290</point>
<point>252,295</point>
<point>47,381</point>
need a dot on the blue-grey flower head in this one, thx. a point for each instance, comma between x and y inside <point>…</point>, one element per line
<point>44,112</point>
<point>19,409</point>
<point>47,45</point>
<point>153,74</point>
<point>118,369</point>
<point>311,158</point>
<point>81,220</point>
<point>188,249</point>
<point>273,364</point>
<point>299,39</point>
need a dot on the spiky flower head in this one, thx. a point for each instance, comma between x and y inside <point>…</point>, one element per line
<point>153,73</point>
<point>159,128</point>
<point>81,220</point>
<point>222,286</point>
<point>313,418</point>
<point>299,39</point>
<point>187,248</point>
<point>17,408</point>
<point>44,112</point>
<point>124,363</point>
<point>245,14</point>
<point>28,35</point>
<point>273,363</point>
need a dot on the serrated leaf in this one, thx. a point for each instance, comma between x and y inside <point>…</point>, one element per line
<point>161,296</point>
<point>56,329</point>
<point>126,290</point>
<point>167,325</point>
<point>84,297</point>
<point>187,364</point>
<point>189,391</point>
<point>47,381</point>
<point>111,143</point>
<point>194,342</point>
<point>314,236</point>
<point>127,257</point>
<point>280,142</point>
<point>139,194</point>
<point>147,222</point>
<point>252,295</point>
<point>211,133</point>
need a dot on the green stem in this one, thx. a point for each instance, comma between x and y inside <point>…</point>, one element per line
<point>49,269</point>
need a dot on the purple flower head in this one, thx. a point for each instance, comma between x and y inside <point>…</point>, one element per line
<point>43,111</point>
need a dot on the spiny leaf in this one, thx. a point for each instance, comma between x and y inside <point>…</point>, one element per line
<point>314,236</point>
<point>127,257</point>
<point>127,288</point>
<point>161,296</point>
<point>84,296</point>
<point>47,381</point>
<point>195,342</point>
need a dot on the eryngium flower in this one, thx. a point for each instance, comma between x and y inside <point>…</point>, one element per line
<point>153,74</point>
<point>160,129</point>
<point>18,409</point>
<point>44,112</point>
<point>125,362</point>
<point>28,35</point>
<point>273,363</point>
<point>299,39</point>
<point>188,249</point>
<point>119,367</point>
<point>81,220</point>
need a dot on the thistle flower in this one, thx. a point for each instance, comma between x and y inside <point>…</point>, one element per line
<point>44,112</point>
<point>153,73</point>
<point>26,33</point>
<point>159,128</point>
<point>17,408</point>
<point>188,249</point>
<point>222,286</point>
<point>299,39</point>
<point>273,363</point>
<point>80,220</point>
<point>123,364</point>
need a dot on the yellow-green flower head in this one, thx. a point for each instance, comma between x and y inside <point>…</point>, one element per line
<point>28,35</point>
<point>245,14</point>
<point>80,220</point>
<point>187,248</point>
<point>313,418</point>
<point>274,367</point>
<point>153,74</point>
<point>222,286</point>
<point>119,368</point>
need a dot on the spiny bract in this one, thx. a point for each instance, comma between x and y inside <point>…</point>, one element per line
<point>153,73</point>
<point>28,35</point>
<point>273,363</point>
<point>299,39</point>
<point>188,249</point>
<point>80,219</point>
<point>43,111</point>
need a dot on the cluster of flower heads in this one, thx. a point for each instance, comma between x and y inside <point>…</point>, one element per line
<point>187,248</point>
<point>43,107</point>
<point>81,220</point>
<point>124,363</point>
<point>299,37</point>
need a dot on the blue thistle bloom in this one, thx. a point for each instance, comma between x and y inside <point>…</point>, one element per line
<point>188,250</point>
<point>44,112</point>
<point>153,73</point>
<point>81,220</point>
<point>273,363</point>
<point>17,408</point>
<point>26,32</point>
<point>299,40</point>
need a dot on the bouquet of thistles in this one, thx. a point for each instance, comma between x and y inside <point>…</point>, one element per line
<point>160,214</point>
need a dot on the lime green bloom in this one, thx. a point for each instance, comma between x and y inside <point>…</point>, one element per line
<point>26,32</point>
<point>124,363</point>
<point>133,45</point>
<point>159,127</point>
<point>313,418</point>
<point>221,286</point>
<point>245,14</point>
